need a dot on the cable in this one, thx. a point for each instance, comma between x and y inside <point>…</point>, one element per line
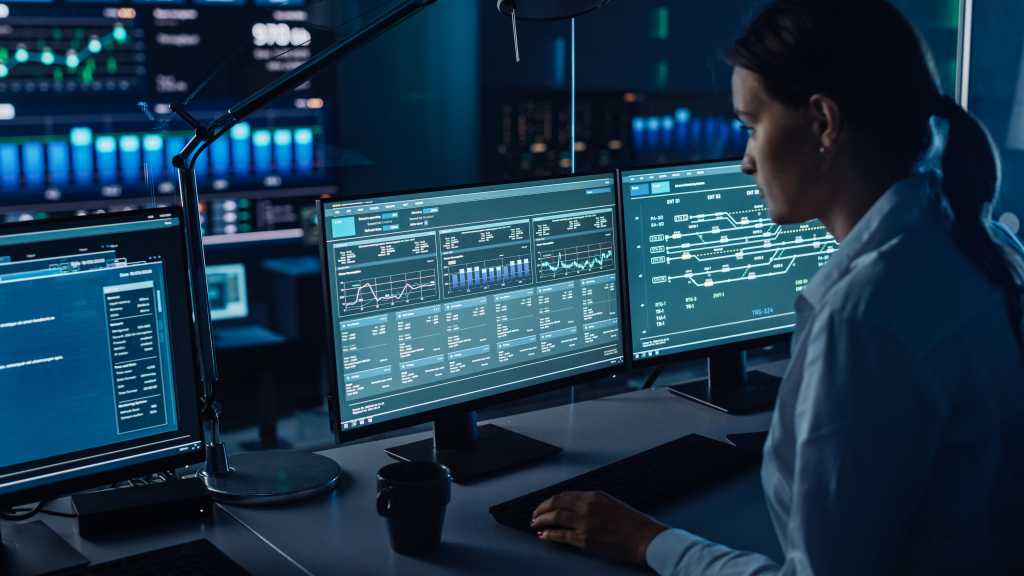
<point>58,514</point>
<point>17,515</point>
<point>652,378</point>
<point>25,513</point>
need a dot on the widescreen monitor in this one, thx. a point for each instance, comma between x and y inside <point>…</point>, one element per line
<point>444,300</point>
<point>97,366</point>
<point>709,273</point>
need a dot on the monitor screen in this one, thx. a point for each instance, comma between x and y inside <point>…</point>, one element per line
<point>445,297</point>
<point>85,94</point>
<point>229,299</point>
<point>97,368</point>
<point>706,266</point>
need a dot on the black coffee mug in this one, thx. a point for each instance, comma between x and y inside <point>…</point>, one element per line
<point>413,496</point>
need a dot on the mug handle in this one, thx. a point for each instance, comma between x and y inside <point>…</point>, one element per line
<point>384,501</point>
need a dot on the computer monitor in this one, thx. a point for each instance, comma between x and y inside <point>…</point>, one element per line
<point>229,299</point>
<point>85,94</point>
<point>709,274</point>
<point>97,369</point>
<point>446,300</point>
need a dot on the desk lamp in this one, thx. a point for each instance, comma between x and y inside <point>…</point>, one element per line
<point>544,11</point>
<point>277,475</point>
<point>280,475</point>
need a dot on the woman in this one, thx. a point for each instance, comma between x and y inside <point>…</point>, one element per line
<point>890,446</point>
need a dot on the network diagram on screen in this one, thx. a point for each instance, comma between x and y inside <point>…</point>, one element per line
<point>707,266</point>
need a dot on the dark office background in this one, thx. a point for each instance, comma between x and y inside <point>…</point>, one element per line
<point>439,101</point>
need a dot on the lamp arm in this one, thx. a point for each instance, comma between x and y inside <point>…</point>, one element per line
<point>185,162</point>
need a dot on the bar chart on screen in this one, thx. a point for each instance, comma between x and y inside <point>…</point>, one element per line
<point>83,162</point>
<point>478,276</point>
<point>486,258</point>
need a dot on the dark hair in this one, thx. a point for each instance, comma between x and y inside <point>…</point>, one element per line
<point>868,58</point>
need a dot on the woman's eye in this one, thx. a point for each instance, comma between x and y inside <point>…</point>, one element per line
<point>741,125</point>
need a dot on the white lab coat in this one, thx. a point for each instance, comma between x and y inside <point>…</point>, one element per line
<point>897,428</point>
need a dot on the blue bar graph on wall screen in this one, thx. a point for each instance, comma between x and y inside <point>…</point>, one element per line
<point>57,162</point>
<point>9,165</point>
<point>261,151</point>
<point>220,157</point>
<point>81,155</point>
<point>33,164</point>
<point>240,154</point>
<point>106,159</point>
<point>304,150</point>
<point>172,146</point>
<point>153,155</point>
<point>202,164</point>
<point>131,158</point>
<point>283,150</point>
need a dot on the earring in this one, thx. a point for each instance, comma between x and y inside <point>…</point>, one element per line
<point>821,150</point>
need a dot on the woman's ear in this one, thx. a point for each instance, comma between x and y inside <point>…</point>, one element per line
<point>827,120</point>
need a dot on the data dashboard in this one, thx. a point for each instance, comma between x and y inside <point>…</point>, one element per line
<point>447,296</point>
<point>85,94</point>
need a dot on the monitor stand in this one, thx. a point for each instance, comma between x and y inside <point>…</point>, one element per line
<point>34,548</point>
<point>472,453</point>
<point>730,388</point>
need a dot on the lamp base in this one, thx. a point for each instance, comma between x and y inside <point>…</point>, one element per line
<point>273,477</point>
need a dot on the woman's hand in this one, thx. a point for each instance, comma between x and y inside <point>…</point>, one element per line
<point>597,523</point>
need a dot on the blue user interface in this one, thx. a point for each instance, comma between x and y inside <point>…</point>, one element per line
<point>95,353</point>
<point>443,297</point>
<point>706,266</point>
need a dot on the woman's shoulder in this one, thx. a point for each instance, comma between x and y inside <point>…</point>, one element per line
<point>1012,248</point>
<point>918,284</point>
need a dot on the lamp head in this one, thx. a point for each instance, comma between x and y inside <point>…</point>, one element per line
<point>546,10</point>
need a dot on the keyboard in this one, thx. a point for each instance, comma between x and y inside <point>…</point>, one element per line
<point>198,557</point>
<point>662,474</point>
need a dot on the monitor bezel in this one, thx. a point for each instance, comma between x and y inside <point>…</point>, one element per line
<point>693,353</point>
<point>333,392</point>
<point>181,459</point>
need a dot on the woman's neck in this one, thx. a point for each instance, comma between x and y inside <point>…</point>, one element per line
<point>853,195</point>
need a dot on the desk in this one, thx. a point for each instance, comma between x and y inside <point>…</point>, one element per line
<point>237,541</point>
<point>342,533</point>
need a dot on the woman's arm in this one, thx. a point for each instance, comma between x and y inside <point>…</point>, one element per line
<point>862,451</point>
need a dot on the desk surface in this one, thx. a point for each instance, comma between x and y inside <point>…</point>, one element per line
<point>342,533</point>
<point>236,540</point>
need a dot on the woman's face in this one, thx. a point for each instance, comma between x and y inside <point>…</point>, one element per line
<point>782,151</point>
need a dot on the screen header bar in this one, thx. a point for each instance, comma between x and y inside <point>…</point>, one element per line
<point>592,185</point>
<point>689,171</point>
<point>87,231</point>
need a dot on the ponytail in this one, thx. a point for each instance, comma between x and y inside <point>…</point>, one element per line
<point>846,50</point>
<point>970,181</point>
